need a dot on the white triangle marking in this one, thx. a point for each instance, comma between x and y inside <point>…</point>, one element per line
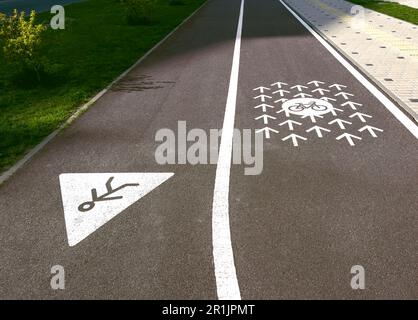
<point>77,193</point>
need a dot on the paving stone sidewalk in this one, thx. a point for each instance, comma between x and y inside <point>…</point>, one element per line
<point>383,47</point>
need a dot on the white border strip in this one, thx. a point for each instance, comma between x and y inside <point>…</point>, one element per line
<point>398,114</point>
<point>8,173</point>
<point>223,255</point>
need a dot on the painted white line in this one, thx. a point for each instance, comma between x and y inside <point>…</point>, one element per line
<point>223,256</point>
<point>398,114</point>
<point>8,173</point>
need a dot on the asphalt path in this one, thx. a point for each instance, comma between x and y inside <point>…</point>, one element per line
<point>316,210</point>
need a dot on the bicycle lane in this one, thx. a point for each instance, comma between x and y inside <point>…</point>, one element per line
<point>338,187</point>
<point>159,247</point>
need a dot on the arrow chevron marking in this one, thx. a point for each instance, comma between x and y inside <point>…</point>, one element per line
<point>279,84</point>
<point>321,91</point>
<point>263,97</point>
<point>318,130</point>
<point>335,113</point>
<point>344,94</point>
<point>316,83</point>
<point>264,107</point>
<point>302,95</point>
<point>286,111</point>
<point>265,118</point>
<point>294,138</point>
<point>281,92</point>
<point>340,123</point>
<point>349,138</point>
<point>299,88</point>
<point>339,87</point>
<point>328,99</point>
<point>261,89</point>
<point>371,130</point>
<point>312,117</point>
<point>281,100</point>
<point>361,116</point>
<point>291,124</point>
<point>266,131</point>
<point>353,105</point>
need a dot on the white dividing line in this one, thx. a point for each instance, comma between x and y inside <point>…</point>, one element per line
<point>398,114</point>
<point>223,256</point>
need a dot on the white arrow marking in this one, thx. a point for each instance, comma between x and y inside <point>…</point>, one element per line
<point>316,83</point>
<point>321,91</point>
<point>328,99</point>
<point>349,138</point>
<point>361,116</point>
<point>302,95</point>
<point>340,123</point>
<point>291,124</point>
<point>339,87</point>
<point>299,87</point>
<point>266,131</point>
<point>353,105</point>
<point>318,130</point>
<point>279,84</point>
<point>345,95</point>
<point>263,97</point>
<point>313,117</point>
<point>265,118</point>
<point>294,138</point>
<point>264,106</point>
<point>281,100</point>
<point>335,113</point>
<point>371,130</point>
<point>92,199</point>
<point>281,92</point>
<point>261,89</point>
<point>286,111</point>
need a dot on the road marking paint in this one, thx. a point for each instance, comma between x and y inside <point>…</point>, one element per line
<point>371,130</point>
<point>279,84</point>
<point>263,97</point>
<point>294,138</point>
<point>349,138</point>
<point>390,106</point>
<point>223,255</point>
<point>265,118</point>
<point>318,130</point>
<point>92,199</point>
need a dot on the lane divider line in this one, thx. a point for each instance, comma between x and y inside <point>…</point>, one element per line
<point>390,106</point>
<point>223,255</point>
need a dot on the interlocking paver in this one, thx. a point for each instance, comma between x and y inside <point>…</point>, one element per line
<point>383,47</point>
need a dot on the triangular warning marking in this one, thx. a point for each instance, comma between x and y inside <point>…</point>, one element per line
<point>114,192</point>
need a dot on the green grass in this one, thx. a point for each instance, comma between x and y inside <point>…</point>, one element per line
<point>392,9</point>
<point>96,46</point>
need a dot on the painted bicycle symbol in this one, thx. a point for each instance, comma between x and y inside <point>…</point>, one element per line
<point>313,106</point>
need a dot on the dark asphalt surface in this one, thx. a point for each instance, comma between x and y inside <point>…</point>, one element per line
<point>7,6</point>
<point>297,229</point>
